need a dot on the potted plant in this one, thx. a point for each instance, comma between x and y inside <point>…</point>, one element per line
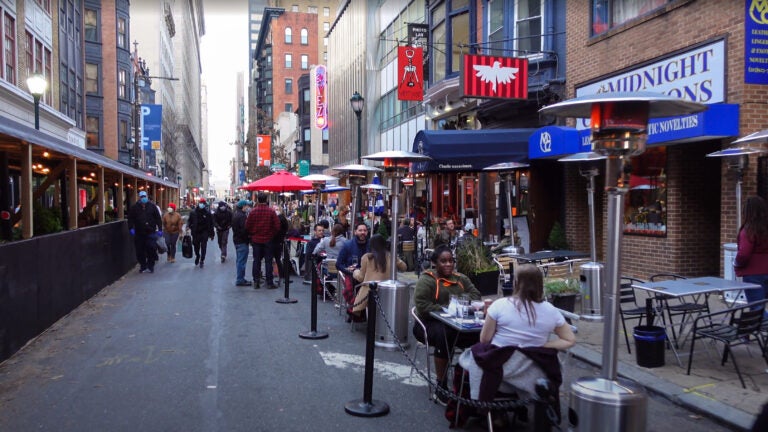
<point>474,259</point>
<point>562,292</point>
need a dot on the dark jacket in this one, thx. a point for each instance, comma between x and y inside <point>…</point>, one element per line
<point>144,218</point>
<point>201,223</point>
<point>351,249</point>
<point>239,234</point>
<point>222,219</point>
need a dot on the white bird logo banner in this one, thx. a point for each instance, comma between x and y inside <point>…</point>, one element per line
<point>495,74</point>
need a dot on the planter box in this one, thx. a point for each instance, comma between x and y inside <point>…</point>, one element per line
<point>487,282</point>
<point>566,302</point>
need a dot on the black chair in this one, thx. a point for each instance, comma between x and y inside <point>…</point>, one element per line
<point>678,306</point>
<point>629,309</point>
<point>732,327</point>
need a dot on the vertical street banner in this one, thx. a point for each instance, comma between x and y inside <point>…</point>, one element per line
<point>756,42</point>
<point>264,150</point>
<point>151,126</point>
<point>410,85</point>
<point>318,95</point>
<point>494,77</point>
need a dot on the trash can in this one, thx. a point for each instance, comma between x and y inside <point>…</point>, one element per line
<point>393,298</point>
<point>649,345</point>
<point>599,404</point>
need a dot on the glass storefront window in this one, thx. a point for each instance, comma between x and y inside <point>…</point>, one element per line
<point>645,209</point>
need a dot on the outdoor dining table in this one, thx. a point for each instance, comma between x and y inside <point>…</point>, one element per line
<point>697,288</point>
<point>543,256</point>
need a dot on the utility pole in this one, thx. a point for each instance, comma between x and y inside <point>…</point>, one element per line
<point>136,105</point>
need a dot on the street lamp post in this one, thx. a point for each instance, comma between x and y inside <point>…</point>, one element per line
<point>357,102</point>
<point>37,86</point>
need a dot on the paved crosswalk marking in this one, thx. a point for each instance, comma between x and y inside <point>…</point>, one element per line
<point>389,370</point>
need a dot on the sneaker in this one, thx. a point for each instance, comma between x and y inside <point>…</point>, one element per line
<point>197,260</point>
<point>257,285</point>
<point>272,286</point>
<point>243,283</point>
<point>142,270</point>
<point>202,263</point>
<point>150,270</point>
<point>223,258</point>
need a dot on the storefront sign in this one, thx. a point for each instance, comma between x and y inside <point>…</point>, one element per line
<point>494,77</point>
<point>410,86</point>
<point>696,75</point>
<point>418,35</point>
<point>756,42</point>
<point>320,103</point>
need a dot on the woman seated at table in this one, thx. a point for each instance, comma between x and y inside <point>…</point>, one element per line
<point>332,245</point>
<point>523,322</point>
<point>374,266</point>
<point>433,292</point>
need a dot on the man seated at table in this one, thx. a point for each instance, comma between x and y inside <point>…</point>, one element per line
<point>433,292</point>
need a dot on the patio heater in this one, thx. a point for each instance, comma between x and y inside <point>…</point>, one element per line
<point>618,124</point>
<point>394,295</point>
<point>591,276</point>
<point>357,173</point>
<point>507,172</point>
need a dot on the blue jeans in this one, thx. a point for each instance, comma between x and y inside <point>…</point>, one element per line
<point>756,294</point>
<point>242,259</point>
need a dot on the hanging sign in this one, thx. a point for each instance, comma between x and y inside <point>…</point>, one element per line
<point>494,77</point>
<point>410,75</point>
<point>264,149</point>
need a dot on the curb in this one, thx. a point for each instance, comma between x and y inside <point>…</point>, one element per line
<point>718,411</point>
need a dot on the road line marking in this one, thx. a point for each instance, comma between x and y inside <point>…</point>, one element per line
<point>389,370</point>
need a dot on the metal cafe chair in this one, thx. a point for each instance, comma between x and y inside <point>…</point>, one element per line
<point>427,352</point>
<point>732,327</point>
<point>678,306</point>
<point>329,277</point>
<point>629,308</point>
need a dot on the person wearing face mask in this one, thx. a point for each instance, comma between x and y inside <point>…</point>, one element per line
<point>222,220</point>
<point>201,225</point>
<point>171,229</point>
<point>143,221</point>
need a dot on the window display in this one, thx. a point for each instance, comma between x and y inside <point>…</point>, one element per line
<point>645,210</point>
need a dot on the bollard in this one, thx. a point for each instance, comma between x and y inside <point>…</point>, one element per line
<point>286,263</point>
<point>367,407</point>
<point>313,333</point>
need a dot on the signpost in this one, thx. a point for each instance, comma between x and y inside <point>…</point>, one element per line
<point>277,167</point>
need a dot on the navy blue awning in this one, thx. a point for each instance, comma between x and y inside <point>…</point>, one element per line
<point>470,150</point>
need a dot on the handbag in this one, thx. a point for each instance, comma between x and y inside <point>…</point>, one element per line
<point>186,246</point>
<point>161,246</point>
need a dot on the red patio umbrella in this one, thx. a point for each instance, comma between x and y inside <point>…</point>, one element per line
<point>281,181</point>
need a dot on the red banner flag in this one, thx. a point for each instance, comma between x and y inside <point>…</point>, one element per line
<point>410,73</point>
<point>494,77</point>
<point>264,149</point>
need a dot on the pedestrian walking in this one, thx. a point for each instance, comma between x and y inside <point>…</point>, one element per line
<point>172,224</point>
<point>145,225</point>
<point>262,225</point>
<point>201,225</point>
<point>751,260</point>
<point>222,221</point>
<point>242,241</point>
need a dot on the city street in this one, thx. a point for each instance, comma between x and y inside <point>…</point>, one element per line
<point>184,349</point>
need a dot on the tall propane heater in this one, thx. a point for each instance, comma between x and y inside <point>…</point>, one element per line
<point>357,174</point>
<point>394,295</point>
<point>506,171</point>
<point>619,124</point>
<point>591,275</point>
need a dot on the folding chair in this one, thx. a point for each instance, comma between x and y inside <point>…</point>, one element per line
<point>743,323</point>
<point>425,346</point>
<point>679,306</point>
<point>329,276</point>
<point>628,307</point>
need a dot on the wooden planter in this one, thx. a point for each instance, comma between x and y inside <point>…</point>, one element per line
<point>566,302</point>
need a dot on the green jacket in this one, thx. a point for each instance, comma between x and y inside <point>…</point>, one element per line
<point>431,293</point>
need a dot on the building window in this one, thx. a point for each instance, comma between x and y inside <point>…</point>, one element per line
<point>326,26</point>
<point>326,11</point>
<point>607,14</point>
<point>288,35</point>
<point>122,35</point>
<point>9,48</point>
<point>304,37</point>
<point>325,41</point>
<point>528,26</point>
<point>312,9</point>
<point>304,61</point>
<point>123,135</point>
<point>122,84</point>
<point>288,107</point>
<point>92,132</point>
<point>39,60</point>
<point>305,101</point>
<point>91,78</point>
<point>288,86</point>
<point>450,27</point>
<point>295,8</point>
<point>496,38</point>
<point>91,21</point>
<point>325,56</point>
<point>307,135</point>
<point>45,4</point>
<point>288,61</point>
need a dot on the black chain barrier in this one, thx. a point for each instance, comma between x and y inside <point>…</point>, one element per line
<point>506,405</point>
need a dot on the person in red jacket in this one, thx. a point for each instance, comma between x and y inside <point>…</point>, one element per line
<point>262,225</point>
<point>751,260</point>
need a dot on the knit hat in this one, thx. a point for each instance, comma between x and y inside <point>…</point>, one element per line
<point>242,203</point>
<point>202,200</point>
<point>172,205</point>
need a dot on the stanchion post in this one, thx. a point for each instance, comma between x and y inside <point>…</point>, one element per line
<point>313,333</point>
<point>286,262</point>
<point>367,407</point>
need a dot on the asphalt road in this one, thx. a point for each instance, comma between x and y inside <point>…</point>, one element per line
<point>183,349</point>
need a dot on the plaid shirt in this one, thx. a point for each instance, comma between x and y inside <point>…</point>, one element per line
<point>262,223</point>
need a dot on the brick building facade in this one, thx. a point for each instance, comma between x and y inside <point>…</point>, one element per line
<point>700,202</point>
